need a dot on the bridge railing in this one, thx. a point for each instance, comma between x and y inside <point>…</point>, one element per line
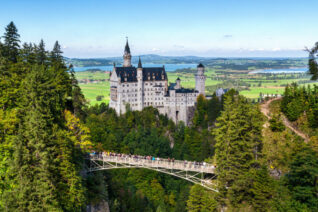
<point>152,162</point>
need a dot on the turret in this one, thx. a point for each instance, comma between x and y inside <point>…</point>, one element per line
<point>127,56</point>
<point>200,79</point>
<point>178,83</point>
<point>140,88</point>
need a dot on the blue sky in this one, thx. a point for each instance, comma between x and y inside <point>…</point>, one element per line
<point>217,28</point>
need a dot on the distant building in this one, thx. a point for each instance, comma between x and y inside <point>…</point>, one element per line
<point>148,86</point>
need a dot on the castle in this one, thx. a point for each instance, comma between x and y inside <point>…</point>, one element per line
<point>141,87</point>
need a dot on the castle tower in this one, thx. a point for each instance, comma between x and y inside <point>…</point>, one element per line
<point>178,83</point>
<point>200,79</point>
<point>127,55</point>
<point>140,87</point>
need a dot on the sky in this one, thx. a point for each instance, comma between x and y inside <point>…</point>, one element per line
<point>209,28</point>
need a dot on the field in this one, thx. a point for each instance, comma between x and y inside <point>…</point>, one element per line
<point>92,90</point>
<point>94,84</point>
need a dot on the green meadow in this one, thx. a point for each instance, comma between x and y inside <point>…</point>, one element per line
<point>94,84</point>
<point>92,90</point>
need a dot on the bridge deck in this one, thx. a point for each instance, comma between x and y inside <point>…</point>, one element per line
<point>140,161</point>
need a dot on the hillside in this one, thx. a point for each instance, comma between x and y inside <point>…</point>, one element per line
<point>217,63</point>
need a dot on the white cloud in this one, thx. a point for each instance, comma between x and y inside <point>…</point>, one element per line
<point>155,49</point>
<point>276,49</point>
<point>227,36</point>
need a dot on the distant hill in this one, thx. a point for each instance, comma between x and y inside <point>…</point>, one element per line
<point>149,58</point>
<point>217,63</point>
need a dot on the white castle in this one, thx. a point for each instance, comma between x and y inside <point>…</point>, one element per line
<point>141,87</point>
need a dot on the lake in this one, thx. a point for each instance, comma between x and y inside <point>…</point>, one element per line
<point>169,67</point>
<point>279,71</point>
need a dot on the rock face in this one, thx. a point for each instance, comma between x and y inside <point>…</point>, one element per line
<point>99,207</point>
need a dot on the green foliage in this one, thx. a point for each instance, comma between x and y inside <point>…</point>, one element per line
<point>42,54</point>
<point>149,133</point>
<point>11,43</point>
<point>276,125</point>
<point>303,177</point>
<point>312,62</point>
<point>78,103</point>
<point>207,111</point>
<point>238,148</point>
<point>201,200</point>
<point>298,100</point>
<point>262,188</point>
<point>41,143</point>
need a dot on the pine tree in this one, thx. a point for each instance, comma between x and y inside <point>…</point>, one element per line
<point>1,51</point>
<point>28,54</point>
<point>8,126</point>
<point>201,112</point>
<point>56,55</point>
<point>262,189</point>
<point>11,42</point>
<point>46,153</point>
<point>303,177</point>
<point>35,148</point>
<point>201,200</point>
<point>79,102</point>
<point>238,147</point>
<point>41,53</point>
<point>312,62</point>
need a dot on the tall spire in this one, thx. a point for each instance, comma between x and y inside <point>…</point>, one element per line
<point>127,55</point>
<point>139,63</point>
<point>127,49</point>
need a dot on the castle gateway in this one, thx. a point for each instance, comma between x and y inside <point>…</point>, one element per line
<point>148,86</point>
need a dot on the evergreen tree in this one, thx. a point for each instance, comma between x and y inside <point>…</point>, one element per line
<point>45,159</point>
<point>201,111</point>
<point>312,62</point>
<point>35,148</point>
<point>41,53</point>
<point>28,54</point>
<point>238,147</point>
<point>11,42</point>
<point>56,55</point>
<point>79,103</point>
<point>302,179</point>
<point>201,200</point>
<point>262,189</point>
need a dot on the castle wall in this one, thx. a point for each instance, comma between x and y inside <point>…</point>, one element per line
<point>178,103</point>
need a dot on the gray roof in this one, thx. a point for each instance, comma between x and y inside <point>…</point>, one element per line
<point>186,90</point>
<point>127,49</point>
<point>149,74</point>
<point>200,65</point>
<point>139,63</point>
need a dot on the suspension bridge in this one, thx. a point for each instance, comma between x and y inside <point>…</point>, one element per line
<point>195,172</point>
